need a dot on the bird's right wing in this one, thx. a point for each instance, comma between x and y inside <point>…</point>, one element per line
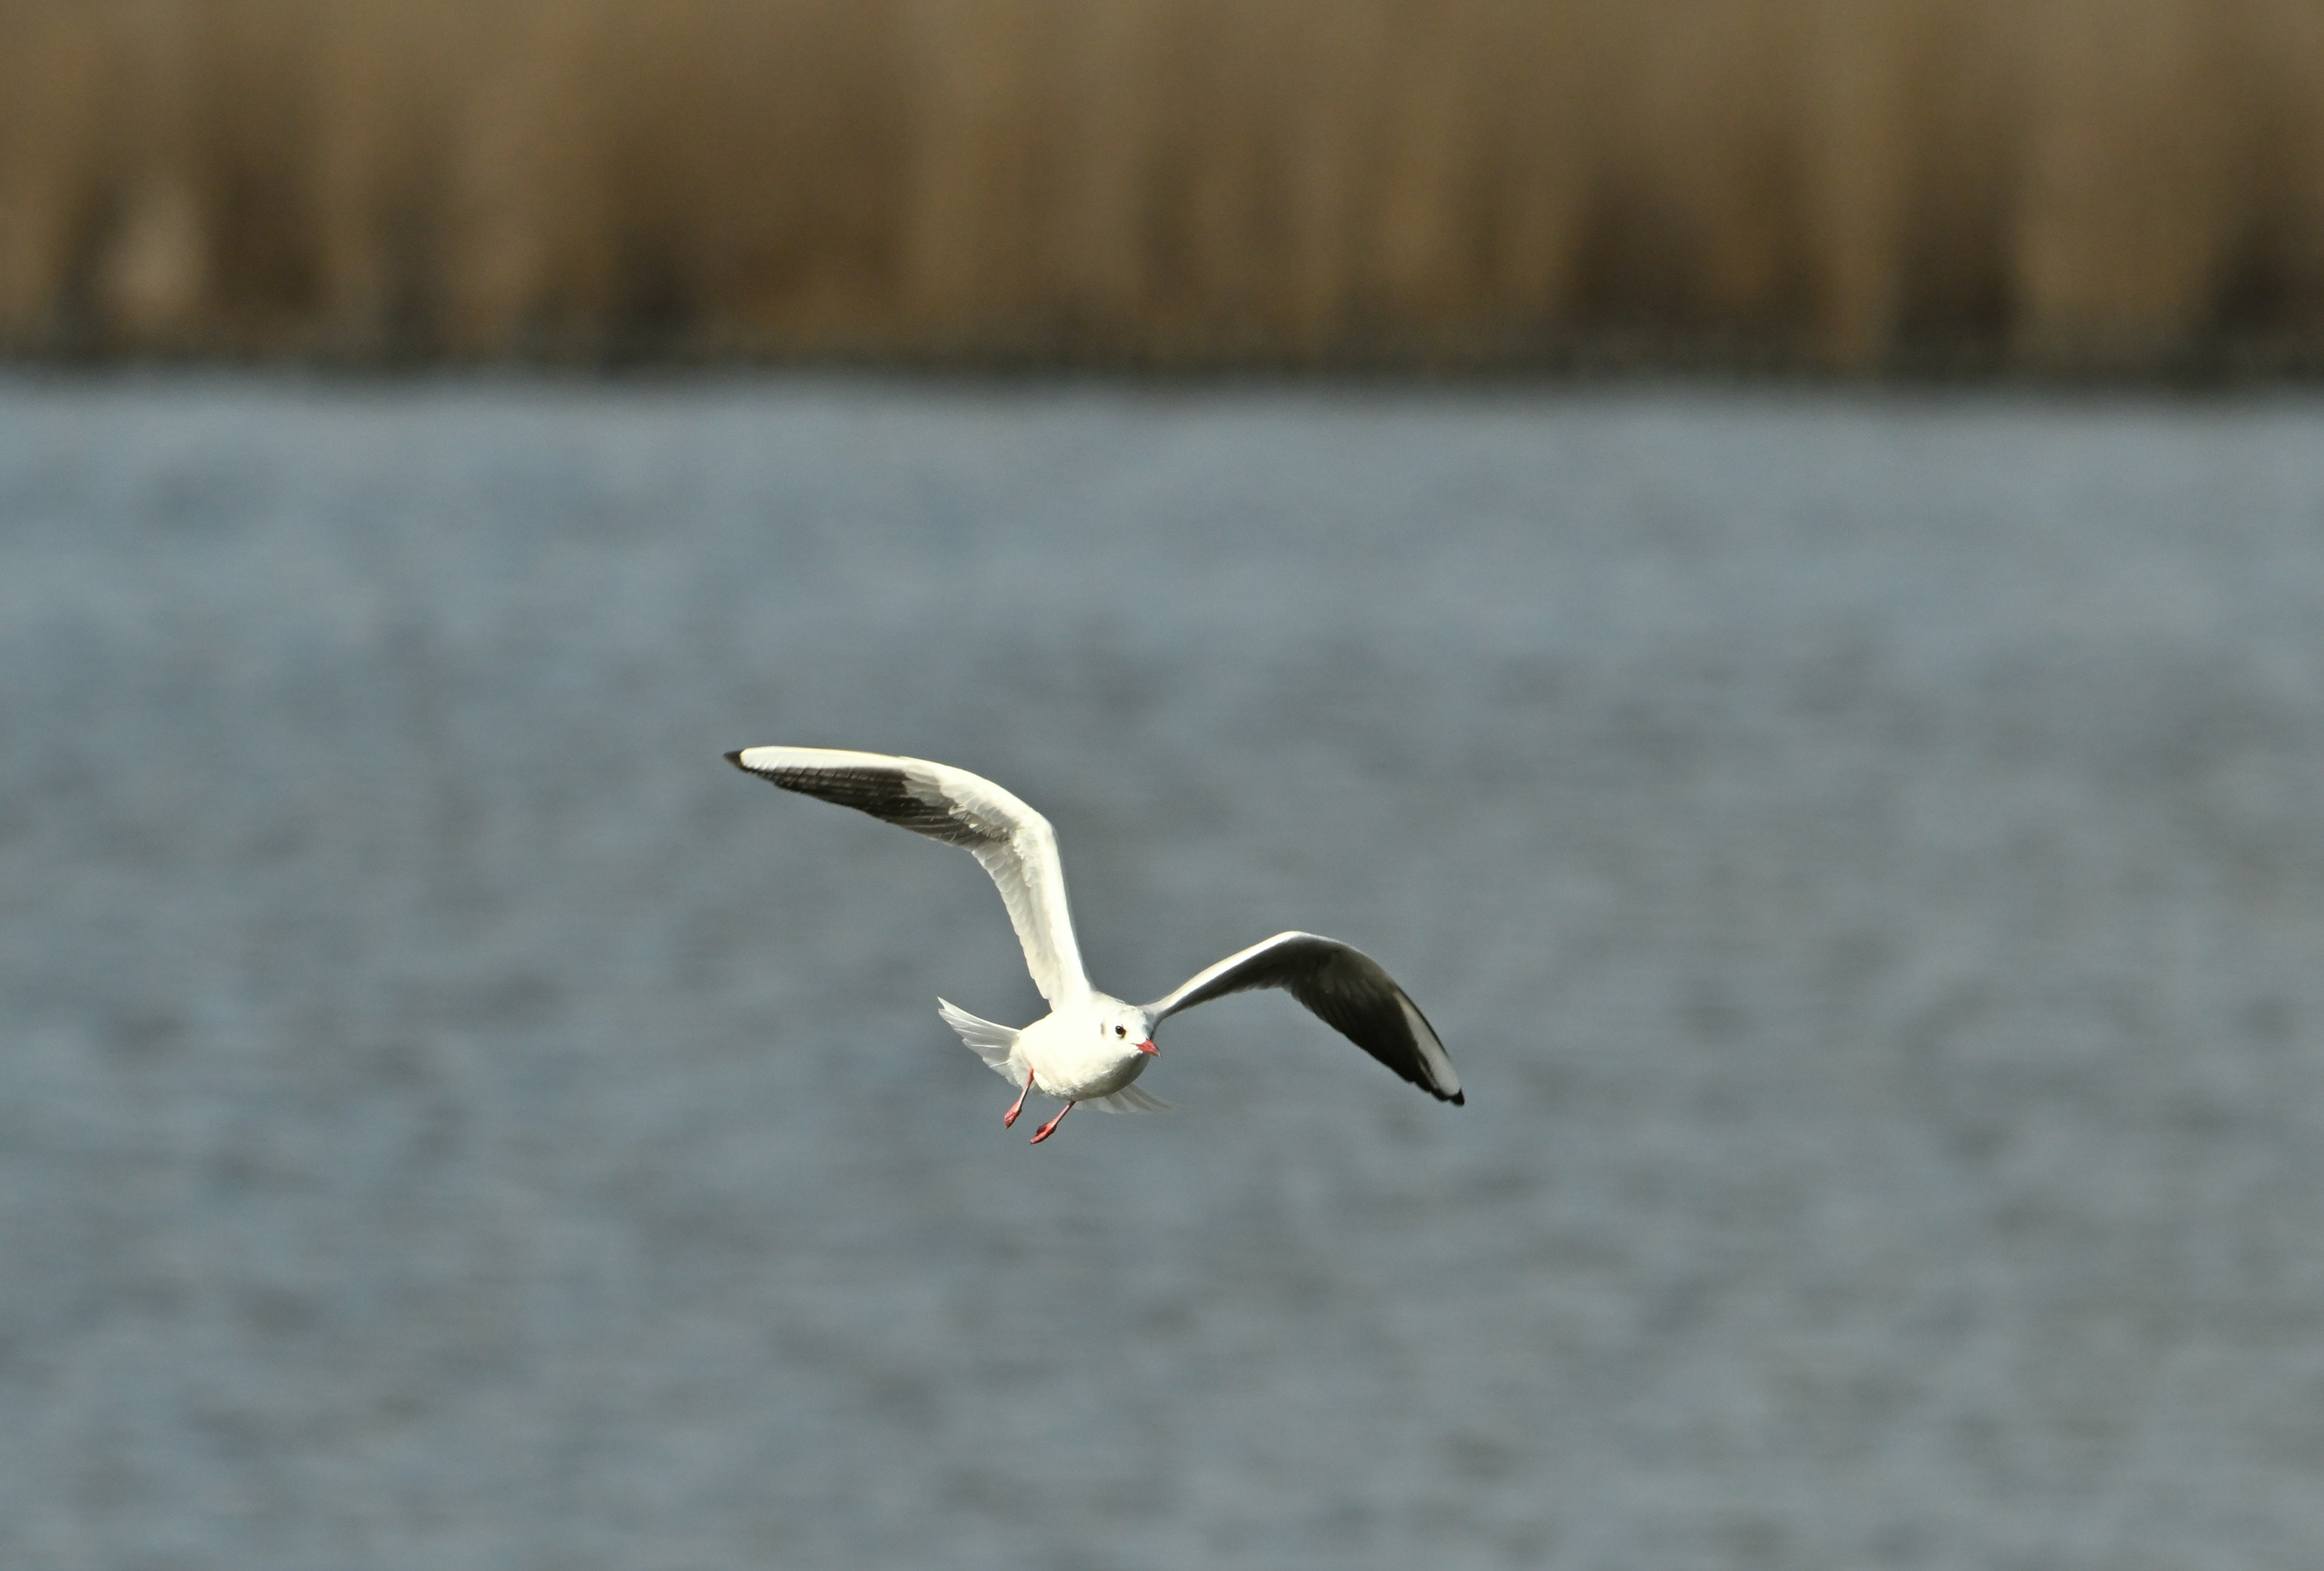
<point>1014,843</point>
<point>1343,987</point>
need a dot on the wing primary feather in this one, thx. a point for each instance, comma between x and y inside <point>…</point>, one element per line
<point>1341,986</point>
<point>1014,845</point>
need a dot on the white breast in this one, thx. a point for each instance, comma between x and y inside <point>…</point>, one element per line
<point>1071,1059</point>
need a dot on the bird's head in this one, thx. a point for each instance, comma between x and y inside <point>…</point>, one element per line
<point>1128,1027</point>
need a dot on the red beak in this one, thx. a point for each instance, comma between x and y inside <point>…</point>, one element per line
<point>1149,1048</point>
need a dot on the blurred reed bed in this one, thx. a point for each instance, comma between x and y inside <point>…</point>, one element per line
<point>2103,183</point>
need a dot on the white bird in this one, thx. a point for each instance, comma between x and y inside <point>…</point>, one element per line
<point>1092,1047</point>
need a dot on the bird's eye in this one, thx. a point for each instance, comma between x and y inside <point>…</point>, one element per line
<point>1122,1031</point>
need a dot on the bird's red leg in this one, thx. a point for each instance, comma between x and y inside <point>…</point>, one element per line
<point>1010,1117</point>
<point>1050,1128</point>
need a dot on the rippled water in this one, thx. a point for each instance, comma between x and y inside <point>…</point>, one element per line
<point>1865,857</point>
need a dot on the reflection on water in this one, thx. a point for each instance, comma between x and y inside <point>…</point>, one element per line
<point>1864,857</point>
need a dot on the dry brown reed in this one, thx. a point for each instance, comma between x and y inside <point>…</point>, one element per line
<point>2126,183</point>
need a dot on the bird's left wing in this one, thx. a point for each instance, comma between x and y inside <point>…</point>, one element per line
<point>1014,843</point>
<point>1345,988</point>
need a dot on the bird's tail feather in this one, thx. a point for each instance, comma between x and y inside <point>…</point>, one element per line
<point>992,1043</point>
<point>1130,1099</point>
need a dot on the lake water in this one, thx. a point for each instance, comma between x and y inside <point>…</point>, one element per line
<point>1865,854</point>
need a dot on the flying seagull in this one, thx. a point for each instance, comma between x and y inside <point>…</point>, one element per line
<point>1092,1047</point>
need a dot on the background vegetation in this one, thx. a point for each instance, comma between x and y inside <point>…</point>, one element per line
<point>1859,183</point>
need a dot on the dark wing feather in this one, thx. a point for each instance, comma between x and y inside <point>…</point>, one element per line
<point>1015,843</point>
<point>884,791</point>
<point>1343,987</point>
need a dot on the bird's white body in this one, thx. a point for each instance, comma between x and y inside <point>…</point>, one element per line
<point>1074,1053</point>
<point>1092,1047</point>
<point>1071,1055</point>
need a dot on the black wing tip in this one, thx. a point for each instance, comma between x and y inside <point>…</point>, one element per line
<point>1458,1098</point>
<point>735,758</point>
